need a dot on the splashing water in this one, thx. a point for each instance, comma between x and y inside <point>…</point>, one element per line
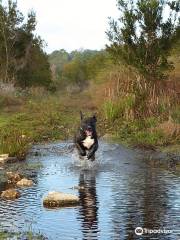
<point>85,164</point>
<point>118,192</point>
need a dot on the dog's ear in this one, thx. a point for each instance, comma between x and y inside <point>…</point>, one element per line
<point>81,115</point>
<point>94,117</point>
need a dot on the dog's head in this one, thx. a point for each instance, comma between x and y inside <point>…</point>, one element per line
<point>88,125</point>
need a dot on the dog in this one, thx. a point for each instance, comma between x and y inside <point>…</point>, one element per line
<point>86,140</point>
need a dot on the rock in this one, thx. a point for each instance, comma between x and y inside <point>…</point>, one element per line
<point>13,177</point>
<point>12,160</point>
<point>24,183</point>
<point>10,194</point>
<point>78,188</point>
<point>4,158</point>
<point>59,199</point>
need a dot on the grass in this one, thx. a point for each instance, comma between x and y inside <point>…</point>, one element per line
<point>117,108</point>
<point>45,117</point>
<point>140,132</point>
<point>28,235</point>
<point>50,118</point>
<point>176,114</point>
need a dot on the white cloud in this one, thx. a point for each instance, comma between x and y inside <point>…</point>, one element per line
<point>71,24</point>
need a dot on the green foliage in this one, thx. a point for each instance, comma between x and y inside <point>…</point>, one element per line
<point>75,73</point>
<point>77,67</point>
<point>114,109</point>
<point>111,110</point>
<point>175,114</point>
<point>139,132</point>
<point>36,72</point>
<point>22,60</point>
<point>13,142</point>
<point>42,119</point>
<point>149,138</point>
<point>145,35</point>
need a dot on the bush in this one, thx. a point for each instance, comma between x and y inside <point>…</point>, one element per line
<point>176,114</point>
<point>119,108</point>
<point>13,142</point>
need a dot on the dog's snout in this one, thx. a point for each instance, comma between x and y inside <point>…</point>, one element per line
<point>89,128</point>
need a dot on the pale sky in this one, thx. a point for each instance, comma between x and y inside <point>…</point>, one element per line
<point>71,24</point>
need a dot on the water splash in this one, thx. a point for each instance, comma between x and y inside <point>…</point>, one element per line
<point>83,163</point>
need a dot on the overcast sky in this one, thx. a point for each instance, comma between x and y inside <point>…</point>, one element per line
<point>71,24</point>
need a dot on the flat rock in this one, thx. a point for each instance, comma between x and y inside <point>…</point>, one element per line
<point>59,199</point>
<point>13,177</point>
<point>24,183</point>
<point>4,158</point>
<point>10,194</point>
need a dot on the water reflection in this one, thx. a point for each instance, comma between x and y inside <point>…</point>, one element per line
<point>140,199</point>
<point>89,205</point>
<point>120,194</point>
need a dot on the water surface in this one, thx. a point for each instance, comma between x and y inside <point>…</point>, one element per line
<point>118,193</point>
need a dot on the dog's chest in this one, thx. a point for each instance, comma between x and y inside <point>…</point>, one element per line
<point>88,142</point>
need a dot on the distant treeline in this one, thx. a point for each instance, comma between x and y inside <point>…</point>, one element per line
<point>22,59</point>
<point>77,67</point>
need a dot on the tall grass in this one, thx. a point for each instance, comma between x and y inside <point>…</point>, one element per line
<point>175,113</point>
<point>37,119</point>
<point>14,142</point>
<point>118,108</point>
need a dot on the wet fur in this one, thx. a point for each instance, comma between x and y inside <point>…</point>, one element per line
<point>86,145</point>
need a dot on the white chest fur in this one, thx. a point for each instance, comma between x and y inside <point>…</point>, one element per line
<point>88,142</point>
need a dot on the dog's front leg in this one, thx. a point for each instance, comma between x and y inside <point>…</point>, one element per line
<point>92,150</point>
<point>81,149</point>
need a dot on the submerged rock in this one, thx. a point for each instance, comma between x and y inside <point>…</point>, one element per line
<point>24,183</point>
<point>77,188</point>
<point>10,194</point>
<point>59,199</point>
<point>13,177</point>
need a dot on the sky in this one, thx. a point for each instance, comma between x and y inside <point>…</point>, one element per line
<point>71,24</point>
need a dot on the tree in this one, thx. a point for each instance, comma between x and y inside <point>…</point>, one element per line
<point>144,35</point>
<point>74,73</point>
<point>10,18</point>
<point>22,59</point>
<point>36,71</point>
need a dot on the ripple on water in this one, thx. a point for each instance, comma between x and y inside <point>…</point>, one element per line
<point>118,193</point>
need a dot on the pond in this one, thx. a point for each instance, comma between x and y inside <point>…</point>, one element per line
<point>118,193</point>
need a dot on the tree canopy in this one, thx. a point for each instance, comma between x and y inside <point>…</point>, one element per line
<point>21,52</point>
<point>145,34</point>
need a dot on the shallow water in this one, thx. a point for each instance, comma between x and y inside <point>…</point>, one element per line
<point>120,192</point>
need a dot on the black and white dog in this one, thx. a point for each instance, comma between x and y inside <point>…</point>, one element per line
<point>86,140</point>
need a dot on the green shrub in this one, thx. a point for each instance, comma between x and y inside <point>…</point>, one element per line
<point>13,142</point>
<point>114,109</point>
<point>111,110</point>
<point>147,137</point>
<point>176,114</point>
